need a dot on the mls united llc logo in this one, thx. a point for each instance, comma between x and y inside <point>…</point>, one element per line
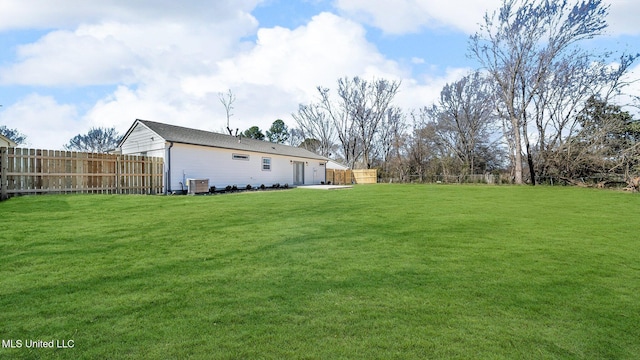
<point>29,344</point>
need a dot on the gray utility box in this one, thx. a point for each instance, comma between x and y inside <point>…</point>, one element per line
<point>198,186</point>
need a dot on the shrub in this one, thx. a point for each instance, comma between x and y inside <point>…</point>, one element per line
<point>248,187</point>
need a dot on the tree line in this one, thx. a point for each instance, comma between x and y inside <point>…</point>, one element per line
<point>542,105</point>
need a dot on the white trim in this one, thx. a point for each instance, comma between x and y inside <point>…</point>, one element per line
<point>267,164</point>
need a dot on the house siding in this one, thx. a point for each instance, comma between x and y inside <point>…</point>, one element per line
<point>143,141</point>
<point>6,142</point>
<point>218,165</point>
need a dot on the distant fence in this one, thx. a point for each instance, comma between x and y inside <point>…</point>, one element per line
<point>343,177</point>
<point>365,176</point>
<point>453,179</point>
<point>339,177</point>
<point>34,171</point>
<point>471,179</point>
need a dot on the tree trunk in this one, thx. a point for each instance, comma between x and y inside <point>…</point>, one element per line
<point>518,151</point>
<point>532,171</point>
<point>527,144</point>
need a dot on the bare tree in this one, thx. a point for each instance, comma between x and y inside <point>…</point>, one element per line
<point>465,120</point>
<point>370,104</point>
<point>296,136</point>
<point>424,155</point>
<point>339,113</point>
<point>390,141</point>
<point>518,45</point>
<point>315,124</point>
<point>358,113</point>
<point>227,101</point>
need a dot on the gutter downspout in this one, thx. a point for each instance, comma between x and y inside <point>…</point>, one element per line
<point>168,187</point>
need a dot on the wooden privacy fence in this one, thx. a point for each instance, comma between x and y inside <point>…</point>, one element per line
<point>34,171</point>
<point>369,176</point>
<point>338,177</point>
<point>343,177</point>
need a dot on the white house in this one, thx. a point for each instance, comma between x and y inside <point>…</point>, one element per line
<point>6,142</point>
<point>222,159</point>
<point>334,165</point>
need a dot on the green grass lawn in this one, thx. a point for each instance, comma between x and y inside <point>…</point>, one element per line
<point>380,272</point>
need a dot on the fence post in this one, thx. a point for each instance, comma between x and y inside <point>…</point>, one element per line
<point>118,158</point>
<point>4,159</point>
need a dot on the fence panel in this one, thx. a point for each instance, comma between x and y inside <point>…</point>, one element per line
<point>347,177</point>
<point>369,176</point>
<point>339,177</point>
<point>37,171</point>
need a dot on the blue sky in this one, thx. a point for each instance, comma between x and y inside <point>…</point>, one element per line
<point>107,63</point>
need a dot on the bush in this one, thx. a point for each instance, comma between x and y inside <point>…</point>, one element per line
<point>248,187</point>
<point>212,189</point>
<point>228,188</point>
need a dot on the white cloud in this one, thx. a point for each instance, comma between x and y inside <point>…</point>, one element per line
<point>46,14</point>
<point>269,80</point>
<point>623,17</point>
<point>46,123</point>
<point>416,93</point>
<point>285,66</point>
<point>629,98</point>
<point>150,103</point>
<point>114,53</point>
<point>409,16</point>
<point>66,58</point>
<point>144,60</point>
<point>298,60</point>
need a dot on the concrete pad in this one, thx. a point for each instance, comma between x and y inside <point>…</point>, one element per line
<point>325,187</point>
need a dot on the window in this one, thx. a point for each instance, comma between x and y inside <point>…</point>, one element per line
<point>240,157</point>
<point>266,164</point>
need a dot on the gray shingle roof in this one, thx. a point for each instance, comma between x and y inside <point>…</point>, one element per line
<point>185,135</point>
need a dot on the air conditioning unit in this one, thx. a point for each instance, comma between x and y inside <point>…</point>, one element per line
<point>197,186</point>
